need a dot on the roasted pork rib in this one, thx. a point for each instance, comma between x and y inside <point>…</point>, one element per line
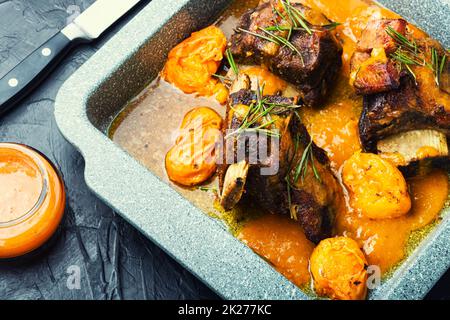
<point>405,112</point>
<point>401,110</point>
<point>314,64</point>
<point>306,196</point>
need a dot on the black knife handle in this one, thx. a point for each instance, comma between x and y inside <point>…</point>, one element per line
<point>30,72</point>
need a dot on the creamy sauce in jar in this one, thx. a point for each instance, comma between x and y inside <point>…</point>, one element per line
<point>32,200</point>
<point>146,130</point>
<point>20,185</point>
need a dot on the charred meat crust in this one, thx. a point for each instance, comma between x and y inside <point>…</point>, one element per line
<point>397,101</point>
<point>377,77</point>
<point>248,48</point>
<point>417,168</point>
<point>372,70</point>
<point>321,53</point>
<point>247,97</point>
<point>375,36</point>
<point>314,213</point>
<point>397,111</point>
<point>315,72</point>
<point>270,192</point>
<point>315,220</point>
<point>305,138</point>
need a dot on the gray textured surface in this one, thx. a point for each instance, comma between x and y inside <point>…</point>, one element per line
<point>116,261</point>
<point>89,100</point>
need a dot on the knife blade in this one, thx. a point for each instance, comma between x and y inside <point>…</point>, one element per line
<point>31,71</point>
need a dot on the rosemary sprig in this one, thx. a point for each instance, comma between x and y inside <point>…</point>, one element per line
<point>231,62</point>
<point>281,28</point>
<point>288,186</point>
<point>401,39</point>
<point>441,69</point>
<point>437,65</point>
<point>411,72</point>
<point>292,208</point>
<point>283,41</point>
<point>271,37</point>
<point>258,116</point>
<point>223,78</point>
<point>287,9</point>
<point>255,113</point>
<point>280,108</point>
<point>258,35</point>
<point>302,168</point>
<point>259,90</point>
<point>330,26</point>
<point>407,53</point>
<point>406,58</point>
<point>297,22</point>
<point>296,16</point>
<point>207,189</point>
<point>315,171</point>
<point>278,13</point>
<point>278,40</point>
<point>292,212</point>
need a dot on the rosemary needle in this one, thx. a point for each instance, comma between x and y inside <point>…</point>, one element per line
<point>302,168</point>
<point>407,53</point>
<point>330,26</point>
<point>207,189</point>
<point>401,39</point>
<point>259,35</point>
<point>437,65</point>
<point>231,61</point>
<point>297,15</point>
<point>258,116</point>
<point>285,42</point>
<point>223,78</point>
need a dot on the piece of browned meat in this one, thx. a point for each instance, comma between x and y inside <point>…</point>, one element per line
<point>314,64</point>
<point>370,75</point>
<point>405,112</point>
<point>398,111</point>
<point>372,71</point>
<point>268,177</point>
<point>375,36</point>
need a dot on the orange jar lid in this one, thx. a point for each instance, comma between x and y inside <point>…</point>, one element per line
<point>32,200</point>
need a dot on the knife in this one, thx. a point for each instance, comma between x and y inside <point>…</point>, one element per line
<point>23,78</point>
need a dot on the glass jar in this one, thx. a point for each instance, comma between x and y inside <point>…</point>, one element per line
<point>32,200</point>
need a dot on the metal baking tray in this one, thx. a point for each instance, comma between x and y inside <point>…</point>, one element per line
<point>93,96</point>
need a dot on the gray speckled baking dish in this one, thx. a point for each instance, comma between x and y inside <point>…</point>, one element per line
<point>91,98</point>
